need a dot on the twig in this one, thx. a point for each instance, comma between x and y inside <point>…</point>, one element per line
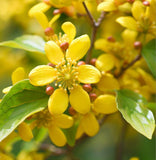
<point>123,69</point>
<point>95,26</point>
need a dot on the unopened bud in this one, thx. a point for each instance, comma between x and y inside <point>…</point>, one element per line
<point>111,39</point>
<point>93,61</point>
<point>146,3</point>
<point>49,31</point>
<point>130,1</point>
<point>51,64</point>
<point>81,63</point>
<point>64,46</point>
<point>72,111</point>
<point>47,2</point>
<point>92,96</point>
<point>49,90</point>
<point>87,87</point>
<point>57,11</point>
<point>137,45</point>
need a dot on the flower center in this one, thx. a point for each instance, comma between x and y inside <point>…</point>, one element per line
<point>67,74</point>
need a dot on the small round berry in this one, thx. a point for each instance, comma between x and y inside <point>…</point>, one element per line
<point>137,45</point>
<point>64,46</point>
<point>72,111</point>
<point>49,90</point>
<point>87,87</point>
<point>111,39</point>
<point>92,96</point>
<point>81,63</point>
<point>93,61</point>
<point>146,3</point>
<point>49,31</point>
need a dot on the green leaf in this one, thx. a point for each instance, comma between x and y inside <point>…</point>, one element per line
<point>22,101</point>
<point>30,43</point>
<point>149,54</point>
<point>71,134</point>
<point>132,107</point>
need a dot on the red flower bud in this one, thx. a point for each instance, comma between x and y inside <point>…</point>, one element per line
<point>49,90</point>
<point>87,87</point>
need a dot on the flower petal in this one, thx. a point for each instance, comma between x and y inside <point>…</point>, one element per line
<point>25,131</point>
<point>107,6</point>
<point>90,124</point>
<point>101,44</point>
<point>105,62</point>
<point>6,90</point>
<point>58,102</point>
<point>78,47</point>
<point>79,100</point>
<point>127,22</point>
<point>80,131</point>
<point>42,75</point>
<point>69,29</point>
<point>105,104</point>
<point>57,136</point>
<point>88,74</point>
<point>138,10</point>
<point>18,75</point>
<point>54,52</point>
<point>63,120</point>
<point>108,82</point>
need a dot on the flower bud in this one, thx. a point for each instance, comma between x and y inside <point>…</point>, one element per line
<point>72,111</point>
<point>49,90</point>
<point>111,39</point>
<point>92,61</point>
<point>81,63</point>
<point>57,11</point>
<point>49,31</point>
<point>87,87</point>
<point>130,1</point>
<point>47,2</point>
<point>51,64</point>
<point>64,46</point>
<point>137,45</point>
<point>146,3</point>
<point>92,96</point>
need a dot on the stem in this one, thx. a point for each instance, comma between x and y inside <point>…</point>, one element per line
<point>95,26</point>
<point>123,69</point>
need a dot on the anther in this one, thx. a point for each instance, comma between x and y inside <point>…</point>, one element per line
<point>93,61</point>
<point>92,96</point>
<point>49,31</point>
<point>130,1</point>
<point>49,90</point>
<point>137,45</point>
<point>81,63</point>
<point>87,87</point>
<point>64,46</point>
<point>111,39</point>
<point>47,2</point>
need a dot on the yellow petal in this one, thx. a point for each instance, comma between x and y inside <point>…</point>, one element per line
<point>88,74</point>
<point>40,7</point>
<point>105,62</point>
<point>42,75</point>
<point>78,47</point>
<point>107,6</point>
<point>128,22</point>
<point>129,36</point>
<point>69,29</point>
<point>54,19</point>
<point>25,131</point>
<point>18,75</point>
<point>5,156</point>
<point>63,121</point>
<point>79,100</point>
<point>138,10</point>
<point>6,90</point>
<point>42,19</point>
<point>58,102</point>
<point>57,136</point>
<point>101,44</point>
<point>53,52</point>
<point>90,124</point>
<point>105,104</point>
<point>80,131</point>
<point>108,82</point>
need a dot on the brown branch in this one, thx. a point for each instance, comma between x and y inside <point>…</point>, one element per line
<point>123,69</point>
<point>95,26</point>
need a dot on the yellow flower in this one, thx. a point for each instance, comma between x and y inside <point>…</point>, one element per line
<point>66,74</point>
<point>143,20</point>
<point>104,104</point>
<point>53,123</point>
<point>134,158</point>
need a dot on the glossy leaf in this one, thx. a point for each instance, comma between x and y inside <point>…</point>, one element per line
<point>133,108</point>
<point>30,43</point>
<point>149,54</point>
<point>22,101</point>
